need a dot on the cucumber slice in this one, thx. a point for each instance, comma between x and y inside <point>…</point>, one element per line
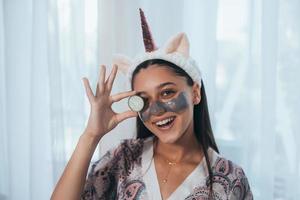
<point>136,103</point>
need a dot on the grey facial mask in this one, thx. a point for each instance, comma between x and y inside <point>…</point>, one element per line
<point>176,105</point>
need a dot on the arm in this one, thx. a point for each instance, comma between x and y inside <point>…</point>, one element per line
<point>71,183</point>
<point>102,119</point>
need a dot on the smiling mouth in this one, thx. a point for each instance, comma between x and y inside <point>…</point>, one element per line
<point>165,124</point>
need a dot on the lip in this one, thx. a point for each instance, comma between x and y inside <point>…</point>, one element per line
<point>162,118</point>
<point>168,127</point>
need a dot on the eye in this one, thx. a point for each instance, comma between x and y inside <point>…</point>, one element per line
<point>167,93</point>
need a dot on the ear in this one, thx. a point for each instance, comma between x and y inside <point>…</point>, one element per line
<point>196,93</point>
<point>178,43</point>
<point>123,62</point>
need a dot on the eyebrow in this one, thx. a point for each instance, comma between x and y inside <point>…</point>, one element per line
<point>157,87</point>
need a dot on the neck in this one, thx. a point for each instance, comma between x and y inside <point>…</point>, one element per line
<point>185,148</point>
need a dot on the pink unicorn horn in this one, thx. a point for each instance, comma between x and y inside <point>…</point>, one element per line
<point>147,36</point>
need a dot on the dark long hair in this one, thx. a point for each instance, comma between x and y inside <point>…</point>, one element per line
<point>202,125</point>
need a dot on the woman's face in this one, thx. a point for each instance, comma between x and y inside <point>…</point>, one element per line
<point>169,102</point>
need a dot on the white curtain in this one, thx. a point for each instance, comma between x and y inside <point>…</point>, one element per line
<point>248,51</point>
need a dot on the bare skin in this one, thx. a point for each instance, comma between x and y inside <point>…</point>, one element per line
<point>179,145</point>
<point>102,119</point>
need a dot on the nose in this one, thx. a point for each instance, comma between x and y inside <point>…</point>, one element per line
<point>157,108</point>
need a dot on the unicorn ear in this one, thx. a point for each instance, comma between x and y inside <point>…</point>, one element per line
<point>178,43</point>
<point>123,62</point>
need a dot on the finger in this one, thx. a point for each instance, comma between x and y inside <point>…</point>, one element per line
<point>88,89</point>
<point>122,95</point>
<point>97,90</point>
<point>101,81</point>
<point>111,78</point>
<point>125,115</point>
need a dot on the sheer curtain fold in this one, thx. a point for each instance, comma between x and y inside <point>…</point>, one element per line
<point>4,158</point>
<point>247,51</point>
<point>17,31</point>
<point>56,120</point>
<point>269,82</point>
<point>41,165</point>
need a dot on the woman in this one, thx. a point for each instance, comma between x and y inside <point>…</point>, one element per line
<point>174,155</point>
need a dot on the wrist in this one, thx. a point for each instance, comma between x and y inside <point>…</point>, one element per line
<point>91,138</point>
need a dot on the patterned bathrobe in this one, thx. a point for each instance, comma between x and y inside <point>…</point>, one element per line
<point>128,172</point>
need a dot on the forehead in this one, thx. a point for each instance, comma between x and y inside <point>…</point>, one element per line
<point>155,75</point>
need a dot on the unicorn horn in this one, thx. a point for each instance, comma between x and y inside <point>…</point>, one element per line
<point>147,36</point>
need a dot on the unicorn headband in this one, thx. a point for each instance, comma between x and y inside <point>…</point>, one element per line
<point>175,50</point>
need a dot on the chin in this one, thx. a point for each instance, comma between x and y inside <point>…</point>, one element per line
<point>171,137</point>
<point>167,140</point>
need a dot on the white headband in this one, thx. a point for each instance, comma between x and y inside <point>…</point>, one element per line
<point>176,51</point>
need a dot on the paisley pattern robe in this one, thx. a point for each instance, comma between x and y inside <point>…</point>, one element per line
<point>128,172</point>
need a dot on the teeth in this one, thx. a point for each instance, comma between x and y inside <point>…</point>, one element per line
<point>164,121</point>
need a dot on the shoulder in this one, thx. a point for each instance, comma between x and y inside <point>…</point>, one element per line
<point>114,166</point>
<point>128,150</point>
<point>131,144</point>
<point>226,167</point>
<point>232,178</point>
